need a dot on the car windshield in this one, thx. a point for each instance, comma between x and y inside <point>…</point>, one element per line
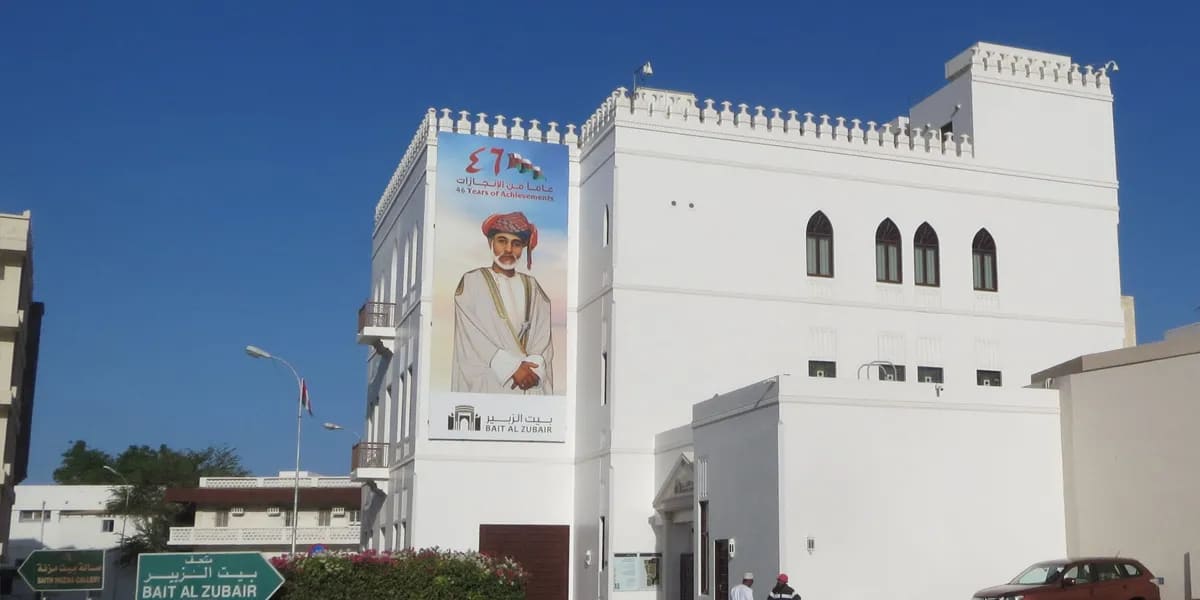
<point>1038,574</point>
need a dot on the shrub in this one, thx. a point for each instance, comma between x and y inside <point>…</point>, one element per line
<point>429,574</point>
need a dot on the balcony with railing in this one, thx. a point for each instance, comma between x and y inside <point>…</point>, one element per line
<point>263,536</point>
<point>377,325</point>
<point>281,481</point>
<point>369,462</point>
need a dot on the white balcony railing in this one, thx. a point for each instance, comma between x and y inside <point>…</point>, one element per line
<point>277,482</point>
<point>262,536</point>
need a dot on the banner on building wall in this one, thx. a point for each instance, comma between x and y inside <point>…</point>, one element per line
<point>498,369</point>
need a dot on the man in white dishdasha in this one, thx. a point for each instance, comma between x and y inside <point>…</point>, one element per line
<point>502,342</point>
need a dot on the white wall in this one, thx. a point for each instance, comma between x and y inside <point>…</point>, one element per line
<point>740,444</point>
<point>1130,458</point>
<point>76,522</point>
<point>909,495</point>
<point>398,265</point>
<point>455,497</point>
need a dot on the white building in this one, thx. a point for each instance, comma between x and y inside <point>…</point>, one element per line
<point>69,517</point>
<point>255,513</point>
<point>712,245</point>
<point>20,337</point>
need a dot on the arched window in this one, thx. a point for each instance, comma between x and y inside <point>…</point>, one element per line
<point>820,246</point>
<point>983,261</point>
<point>925,256</point>
<point>887,252</point>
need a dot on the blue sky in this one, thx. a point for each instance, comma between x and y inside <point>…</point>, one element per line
<point>203,175</point>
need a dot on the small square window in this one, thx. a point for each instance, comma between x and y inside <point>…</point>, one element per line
<point>33,515</point>
<point>107,525</point>
<point>930,375</point>
<point>822,368</point>
<point>891,373</point>
<point>987,378</point>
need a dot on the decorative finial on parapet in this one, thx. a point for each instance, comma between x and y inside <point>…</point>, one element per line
<point>726,114</point>
<point>872,133</point>
<point>823,128</point>
<point>463,125</point>
<point>759,119</point>
<point>776,120</point>
<point>571,138</point>
<point>500,129</point>
<point>965,147</point>
<point>445,123</point>
<point>856,132</point>
<point>535,134</point>
<point>809,127</point>
<point>742,117</point>
<point>517,132</point>
<point>552,134</point>
<point>840,132</point>
<point>708,113</point>
<point>793,124</point>
<point>481,126</point>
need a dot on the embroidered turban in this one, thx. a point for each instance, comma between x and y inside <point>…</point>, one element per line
<point>516,224</point>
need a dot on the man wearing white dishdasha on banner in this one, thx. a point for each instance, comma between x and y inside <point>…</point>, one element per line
<point>502,341</point>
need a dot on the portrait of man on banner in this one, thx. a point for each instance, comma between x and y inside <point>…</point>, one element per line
<point>502,317</point>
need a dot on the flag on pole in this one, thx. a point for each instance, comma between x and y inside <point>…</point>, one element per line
<point>304,401</point>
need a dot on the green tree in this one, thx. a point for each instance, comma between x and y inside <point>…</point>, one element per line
<point>148,471</point>
<point>82,465</point>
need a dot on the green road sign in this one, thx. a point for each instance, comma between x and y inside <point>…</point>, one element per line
<point>206,575</point>
<point>63,570</point>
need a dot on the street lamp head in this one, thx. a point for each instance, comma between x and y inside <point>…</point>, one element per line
<point>332,426</point>
<point>257,352</point>
<point>111,470</point>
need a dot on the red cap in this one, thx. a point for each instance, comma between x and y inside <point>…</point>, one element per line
<point>782,578</point>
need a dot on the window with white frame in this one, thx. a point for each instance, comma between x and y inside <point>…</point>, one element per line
<point>27,516</point>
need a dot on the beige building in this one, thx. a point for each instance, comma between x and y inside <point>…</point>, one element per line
<point>1131,453</point>
<point>255,514</point>
<point>20,333</point>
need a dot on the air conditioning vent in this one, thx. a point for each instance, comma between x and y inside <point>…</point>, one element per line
<point>339,511</point>
<point>237,511</point>
<point>272,511</point>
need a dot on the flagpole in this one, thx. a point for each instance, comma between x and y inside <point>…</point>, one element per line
<point>296,473</point>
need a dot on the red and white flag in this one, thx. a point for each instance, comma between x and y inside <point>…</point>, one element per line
<point>304,400</point>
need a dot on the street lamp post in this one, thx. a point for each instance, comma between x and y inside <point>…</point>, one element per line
<point>124,520</point>
<point>257,352</point>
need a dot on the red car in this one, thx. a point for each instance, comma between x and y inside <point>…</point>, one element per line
<point>1079,579</point>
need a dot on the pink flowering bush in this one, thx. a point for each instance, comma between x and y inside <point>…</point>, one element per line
<point>427,574</point>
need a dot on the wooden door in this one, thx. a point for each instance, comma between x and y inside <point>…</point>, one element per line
<point>687,574</point>
<point>541,549</point>
<point>721,570</point>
